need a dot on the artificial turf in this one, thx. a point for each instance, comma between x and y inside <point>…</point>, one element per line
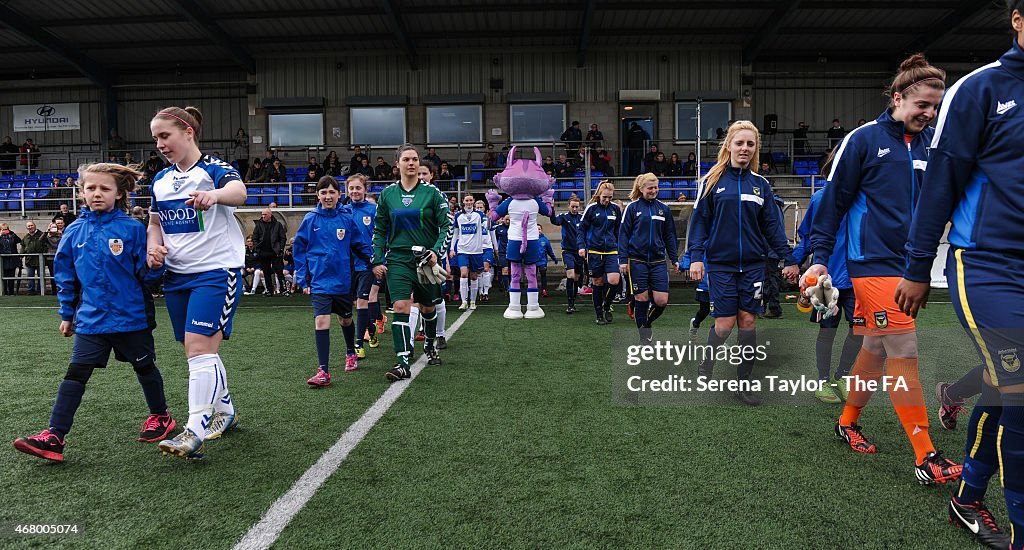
<point>517,440</point>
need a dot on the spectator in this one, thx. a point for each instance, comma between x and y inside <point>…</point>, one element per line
<point>332,164</point>
<point>277,172</point>
<point>268,158</point>
<point>445,174</point>
<point>356,164</point>
<point>573,139</point>
<point>112,158</point>
<point>563,169</point>
<point>396,174</point>
<point>650,157</point>
<point>65,215</point>
<point>549,165</point>
<point>601,161</point>
<point>489,162</point>
<point>154,165</point>
<point>30,156</point>
<point>129,159</point>
<point>675,166</point>
<point>719,133</point>
<point>659,165</point>
<point>365,168</point>
<point>835,134</point>
<point>766,169</point>
<point>116,145</point>
<point>288,267</point>
<point>8,156</point>
<point>139,214</point>
<point>32,246</point>
<point>800,139</point>
<point>432,157</point>
<point>861,122</point>
<point>594,138</point>
<point>257,173</point>
<point>9,242</point>
<point>636,138</point>
<point>240,150</point>
<point>690,168</point>
<point>251,275</point>
<point>315,166</point>
<point>58,191</point>
<point>382,171</point>
<point>54,232</point>
<point>268,237</point>
<point>312,175</point>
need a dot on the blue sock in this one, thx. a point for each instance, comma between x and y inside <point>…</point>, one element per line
<point>980,455</point>
<point>374,316</point>
<point>69,397</point>
<point>153,388</point>
<point>362,316</point>
<point>640,313</point>
<point>656,312</point>
<point>323,348</point>
<point>748,340</point>
<point>598,296</point>
<point>1011,459</point>
<point>349,331</point>
<point>570,291</point>
<point>968,385</point>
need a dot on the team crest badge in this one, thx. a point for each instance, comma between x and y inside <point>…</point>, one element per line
<point>367,220</point>
<point>407,200</point>
<point>1009,359</point>
<point>881,319</point>
<point>116,246</point>
<point>341,234</point>
<point>757,191</point>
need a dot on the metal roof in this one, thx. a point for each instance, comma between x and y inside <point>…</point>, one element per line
<point>104,38</point>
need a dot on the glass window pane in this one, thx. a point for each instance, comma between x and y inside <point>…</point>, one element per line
<point>451,124</point>
<point>378,126</point>
<point>297,129</point>
<point>542,122</point>
<point>713,115</point>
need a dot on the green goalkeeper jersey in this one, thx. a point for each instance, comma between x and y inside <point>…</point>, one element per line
<point>410,218</point>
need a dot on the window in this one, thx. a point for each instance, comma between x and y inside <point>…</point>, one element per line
<point>379,126</point>
<point>451,124</point>
<point>713,115</point>
<point>538,122</point>
<point>297,129</point>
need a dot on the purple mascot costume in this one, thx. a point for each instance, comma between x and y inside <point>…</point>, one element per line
<point>530,193</point>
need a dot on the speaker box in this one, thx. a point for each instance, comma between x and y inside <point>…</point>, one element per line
<point>771,125</point>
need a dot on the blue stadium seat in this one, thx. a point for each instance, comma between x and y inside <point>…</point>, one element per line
<point>5,185</point>
<point>666,194</point>
<point>597,174</point>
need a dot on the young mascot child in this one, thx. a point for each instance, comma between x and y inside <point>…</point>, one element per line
<point>324,245</point>
<point>101,271</point>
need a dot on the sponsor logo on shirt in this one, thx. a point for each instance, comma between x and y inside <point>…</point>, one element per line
<point>882,152</point>
<point>176,217</point>
<point>1001,107</point>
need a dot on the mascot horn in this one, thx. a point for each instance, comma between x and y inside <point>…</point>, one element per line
<point>530,193</point>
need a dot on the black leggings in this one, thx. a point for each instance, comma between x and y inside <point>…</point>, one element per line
<point>702,313</point>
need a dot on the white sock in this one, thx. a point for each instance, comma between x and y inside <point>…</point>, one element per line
<point>485,283</point>
<point>464,288</point>
<point>223,403</point>
<point>532,300</point>
<point>203,383</point>
<point>442,314</point>
<point>474,285</point>
<point>256,278</point>
<point>414,324</point>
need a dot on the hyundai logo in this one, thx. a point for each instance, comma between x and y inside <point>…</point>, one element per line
<point>45,111</point>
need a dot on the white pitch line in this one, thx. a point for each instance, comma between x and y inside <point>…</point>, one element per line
<point>279,515</point>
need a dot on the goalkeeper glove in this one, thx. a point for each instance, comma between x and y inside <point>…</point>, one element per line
<point>824,297</point>
<point>426,273</point>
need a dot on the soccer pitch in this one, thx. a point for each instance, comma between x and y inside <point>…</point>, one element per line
<point>515,441</point>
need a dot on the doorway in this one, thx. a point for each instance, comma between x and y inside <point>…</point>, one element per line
<point>637,127</point>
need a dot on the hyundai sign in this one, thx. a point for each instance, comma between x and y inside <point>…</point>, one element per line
<point>47,116</point>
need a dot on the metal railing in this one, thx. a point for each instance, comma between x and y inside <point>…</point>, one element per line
<point>12,277</point>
